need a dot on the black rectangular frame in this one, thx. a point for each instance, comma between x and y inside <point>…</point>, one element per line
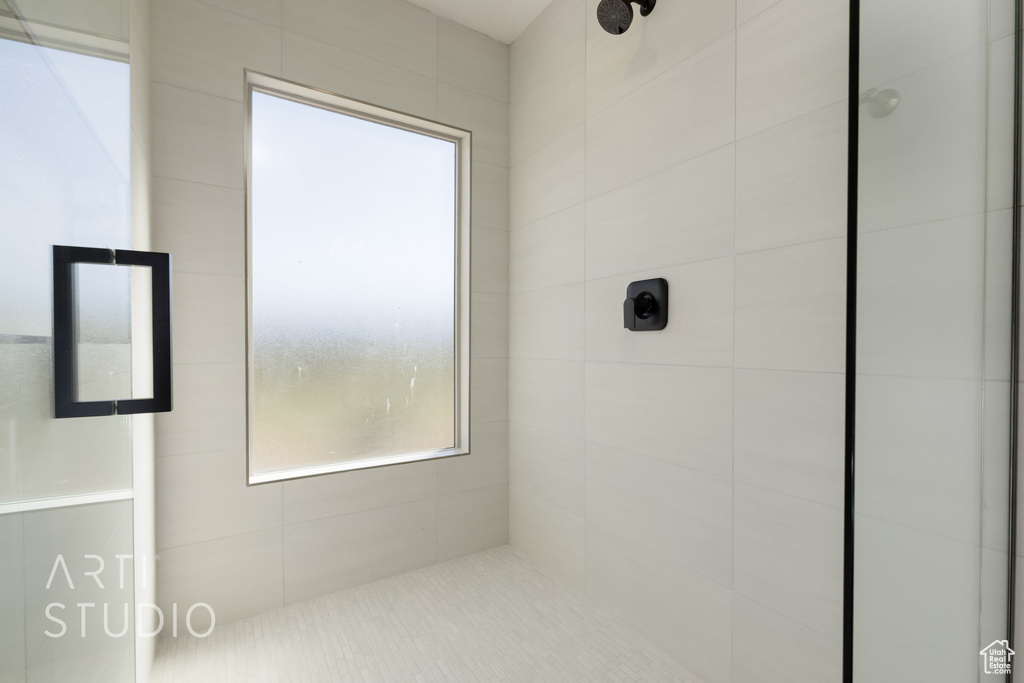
<point>65,372</point>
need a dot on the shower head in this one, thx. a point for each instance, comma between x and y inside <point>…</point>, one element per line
<point>615,16</point>
<point>881,103</point>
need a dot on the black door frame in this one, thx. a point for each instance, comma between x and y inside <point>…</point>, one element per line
<point>851,338</point>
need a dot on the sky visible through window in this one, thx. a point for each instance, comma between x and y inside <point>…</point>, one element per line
<point>353,277</point>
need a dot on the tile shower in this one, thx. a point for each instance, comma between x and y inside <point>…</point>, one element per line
<point>688,484</point>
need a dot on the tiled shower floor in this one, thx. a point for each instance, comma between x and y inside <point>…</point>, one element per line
<point>487,617</point>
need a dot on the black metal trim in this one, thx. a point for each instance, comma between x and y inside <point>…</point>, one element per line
<point>1011,578</point>
<point>851,337</point>
<point>65,372</point>
<point>161,301</point>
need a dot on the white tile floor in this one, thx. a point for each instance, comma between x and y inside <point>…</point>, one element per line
<point>486,617</point>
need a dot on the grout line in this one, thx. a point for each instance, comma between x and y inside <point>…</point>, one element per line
<point>547,501</point>
<point>284,525</point>
<point>678,63</point>
<point>973,545</point>
<point>735,260</point>
<point>691,366</point>
<point>656,553</point>
<point>586,67</point>
<point>200,183</point>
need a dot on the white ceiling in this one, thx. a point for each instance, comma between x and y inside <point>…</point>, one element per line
<point>503,20</point>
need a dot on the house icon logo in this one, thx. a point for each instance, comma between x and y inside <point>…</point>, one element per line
<point>996,657</point>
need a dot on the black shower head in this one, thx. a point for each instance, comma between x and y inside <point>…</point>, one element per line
<point>615,16</point>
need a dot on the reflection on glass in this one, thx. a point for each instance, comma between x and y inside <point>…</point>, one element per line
<point>353,287</point>
<point>64,169</point>
<point>103,530</point>
<point>933,330</point>
<point>64,165</point>
<point>103,332</point>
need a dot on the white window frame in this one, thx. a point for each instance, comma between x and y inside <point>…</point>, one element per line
<point>262,83</point>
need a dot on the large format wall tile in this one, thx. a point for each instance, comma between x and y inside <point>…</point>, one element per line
<point>548,252</point>
<point>790,308</point>
<point>207,50</point>
<point>684,213</point>
<point>209,318</point>
<point>549,323</point>
<point>548,181</point>
<point>768,647</point>
<point>685,515</point>
<point>236,575</point>
<point>331,554</point>
<point>489,331</point>
<point>101,18</point>
<point>547,78</point>
<point>265,11</point>
<point>787,187</point>
<point>209,411</point>
<point>548,465</point>
<point>202,226</point>
<point>687,111</point>
<point>369,523</point>
<point>700,318</point>
<point>618,65</point>
<point>789,557</point>
<point>791,60</point>
<point>486,117</point>
<point>489,391</point>
<point>204,497</point>
<point>549,535</point>
<point>336,69</point>
<point>471,521</point>
<point>490,259</point>
<point>472,61</point>
<point>197,137</point>
<point>544,394</point>
<point>490,196</point>
<point>788,432</point>
<point>391,31</point>
<point>748,9</point>
<point>343,493</point>
<point>678,414</point>
<point>486,464</point>
<point>750,236</point>
<point>686,615</point>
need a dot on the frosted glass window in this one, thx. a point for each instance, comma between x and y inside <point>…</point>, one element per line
<point>354,285</point>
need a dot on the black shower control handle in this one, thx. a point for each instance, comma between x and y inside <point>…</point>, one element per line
<point>641,306</point>
<point>646,305</point>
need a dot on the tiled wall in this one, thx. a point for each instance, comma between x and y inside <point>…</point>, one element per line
<point>244,550</point>
<point>691,480</point>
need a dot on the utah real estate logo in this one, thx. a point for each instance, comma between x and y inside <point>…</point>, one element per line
<point>996,657</point>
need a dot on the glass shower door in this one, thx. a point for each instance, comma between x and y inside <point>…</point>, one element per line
<point>933,338</point>
<point>66,586</point>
